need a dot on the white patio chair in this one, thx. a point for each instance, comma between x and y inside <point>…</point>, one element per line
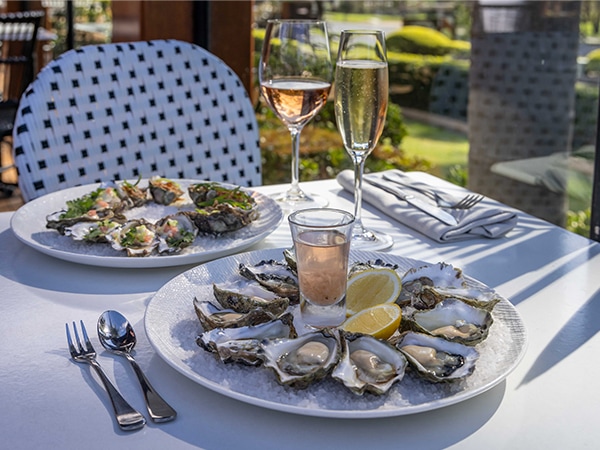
<point>120,111</point>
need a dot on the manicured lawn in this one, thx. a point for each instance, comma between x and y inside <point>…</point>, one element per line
<point>442,148</point>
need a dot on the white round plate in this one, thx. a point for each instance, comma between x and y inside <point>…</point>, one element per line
<point>29,225</point>
<point>172,326</point>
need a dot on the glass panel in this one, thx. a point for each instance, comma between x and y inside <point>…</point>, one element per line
<point>498,95</point>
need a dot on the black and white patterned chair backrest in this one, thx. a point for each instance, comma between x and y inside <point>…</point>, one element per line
<point>119,111</point>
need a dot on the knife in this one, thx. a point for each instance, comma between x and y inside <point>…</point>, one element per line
<point>428,208</point>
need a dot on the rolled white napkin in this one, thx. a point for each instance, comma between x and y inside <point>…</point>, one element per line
<point>479,221</point>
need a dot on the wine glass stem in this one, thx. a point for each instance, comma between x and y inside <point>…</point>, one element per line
<point>295,191</point>
<point>359,166</point>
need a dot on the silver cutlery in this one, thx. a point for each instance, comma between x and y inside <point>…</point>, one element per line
<point>430,209</point>
<point>442,200</point>
<point>116,335</point>
<point>127,417</point>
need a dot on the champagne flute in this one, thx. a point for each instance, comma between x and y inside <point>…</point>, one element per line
<point>361,99</point>
<point>295,74</point>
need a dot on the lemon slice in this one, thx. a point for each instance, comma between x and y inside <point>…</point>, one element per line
<point>379,321</point>
<point>372,287</point>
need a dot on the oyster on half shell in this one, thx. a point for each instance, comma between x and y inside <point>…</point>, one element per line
<point>368,364</point>
<point>243,345</point>
<point>453,320</point>
<point>212,316</point>
<point>275,276</point>
<point>416,280</point>
<point>137,237</point>
<point>304,360</point>
<point>437,359</point>
<point>175,232</point>
<point>243,295</point>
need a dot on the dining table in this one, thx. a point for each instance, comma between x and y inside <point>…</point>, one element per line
<point>550,399</point>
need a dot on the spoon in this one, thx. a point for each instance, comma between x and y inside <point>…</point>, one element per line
<point>117,336</point>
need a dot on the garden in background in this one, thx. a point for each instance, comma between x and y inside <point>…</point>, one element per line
<point>428,73</point>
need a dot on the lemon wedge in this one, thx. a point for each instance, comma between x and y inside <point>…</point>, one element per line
<point>380,321</point>
<point>372,287</point>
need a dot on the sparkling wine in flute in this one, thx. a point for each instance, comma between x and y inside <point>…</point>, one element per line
<point>323,266</point>
<point>295,100</point>
<point>361,98</point>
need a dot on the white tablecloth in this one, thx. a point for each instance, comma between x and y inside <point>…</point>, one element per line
<point>550,401</point>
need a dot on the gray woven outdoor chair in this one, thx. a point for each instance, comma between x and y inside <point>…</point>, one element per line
<point>121,111</point>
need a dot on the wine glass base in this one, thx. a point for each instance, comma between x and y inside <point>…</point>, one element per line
<point>296,203</point>
<point>371,240</point>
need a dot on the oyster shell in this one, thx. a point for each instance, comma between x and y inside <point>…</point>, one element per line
<point>368,364</point>
<point>479,297</point>
<point>290,258</point>
<point>137,237</point>
<point>437,359</point>
<point>243,295</point>
<point>243,345</point>
<point>453,320</point>
<point>163,190</point>
<point>416,280</point>
<point>92,231</point>
<point>135,195</point>
<point>369,265</point>
<point>221,209</point>
<point>301,361</point>
<point>211,316</point>
<point>275,276</point>
<point>105,202</point>
<point>175,232</point>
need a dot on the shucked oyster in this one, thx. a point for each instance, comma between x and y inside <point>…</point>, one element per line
<point>368,364</point>
<point>437,359</point>
<point>304,360</point>
<point>243,295</point>
<point>175,232</point>
<point>221,209</point>
<point>136,237</point>
<point>275,276</point>
<point>212,316</point>
<point>415,283</point>
<point>243,345</point>
<point>104,202</point>
<point>92,231</point>
<point>164,191</point>
<point>452,320</point>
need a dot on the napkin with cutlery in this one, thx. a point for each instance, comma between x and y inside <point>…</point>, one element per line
<point>480,221</point>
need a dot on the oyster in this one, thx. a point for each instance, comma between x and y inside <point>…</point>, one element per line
<point>479,297</point>
<point>104,202</point>
<point>369,265</point>
<point>290,258</point>
<point>221,209</point>
<point>437,359</point>
<point>415,282</point>
<point>92,231</point>
<point>135,195</point>
<point>275,276</point>
<point>211,316</point>
<point>243,345</point>
<point>304,360</point>
<point>175,232</point>
<point>163,190</point>
<point>368,364</point>
<point>453,320</point>
<point>243,295</point>
<point>136,237</point>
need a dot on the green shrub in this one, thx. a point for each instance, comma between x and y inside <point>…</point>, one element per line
<point>593,65</point>
<point>424,41</point>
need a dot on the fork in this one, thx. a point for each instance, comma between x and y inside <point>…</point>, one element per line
<point>127,417</point>
<point>468,201</point>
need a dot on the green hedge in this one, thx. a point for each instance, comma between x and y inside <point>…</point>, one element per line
<point>424,41</point>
